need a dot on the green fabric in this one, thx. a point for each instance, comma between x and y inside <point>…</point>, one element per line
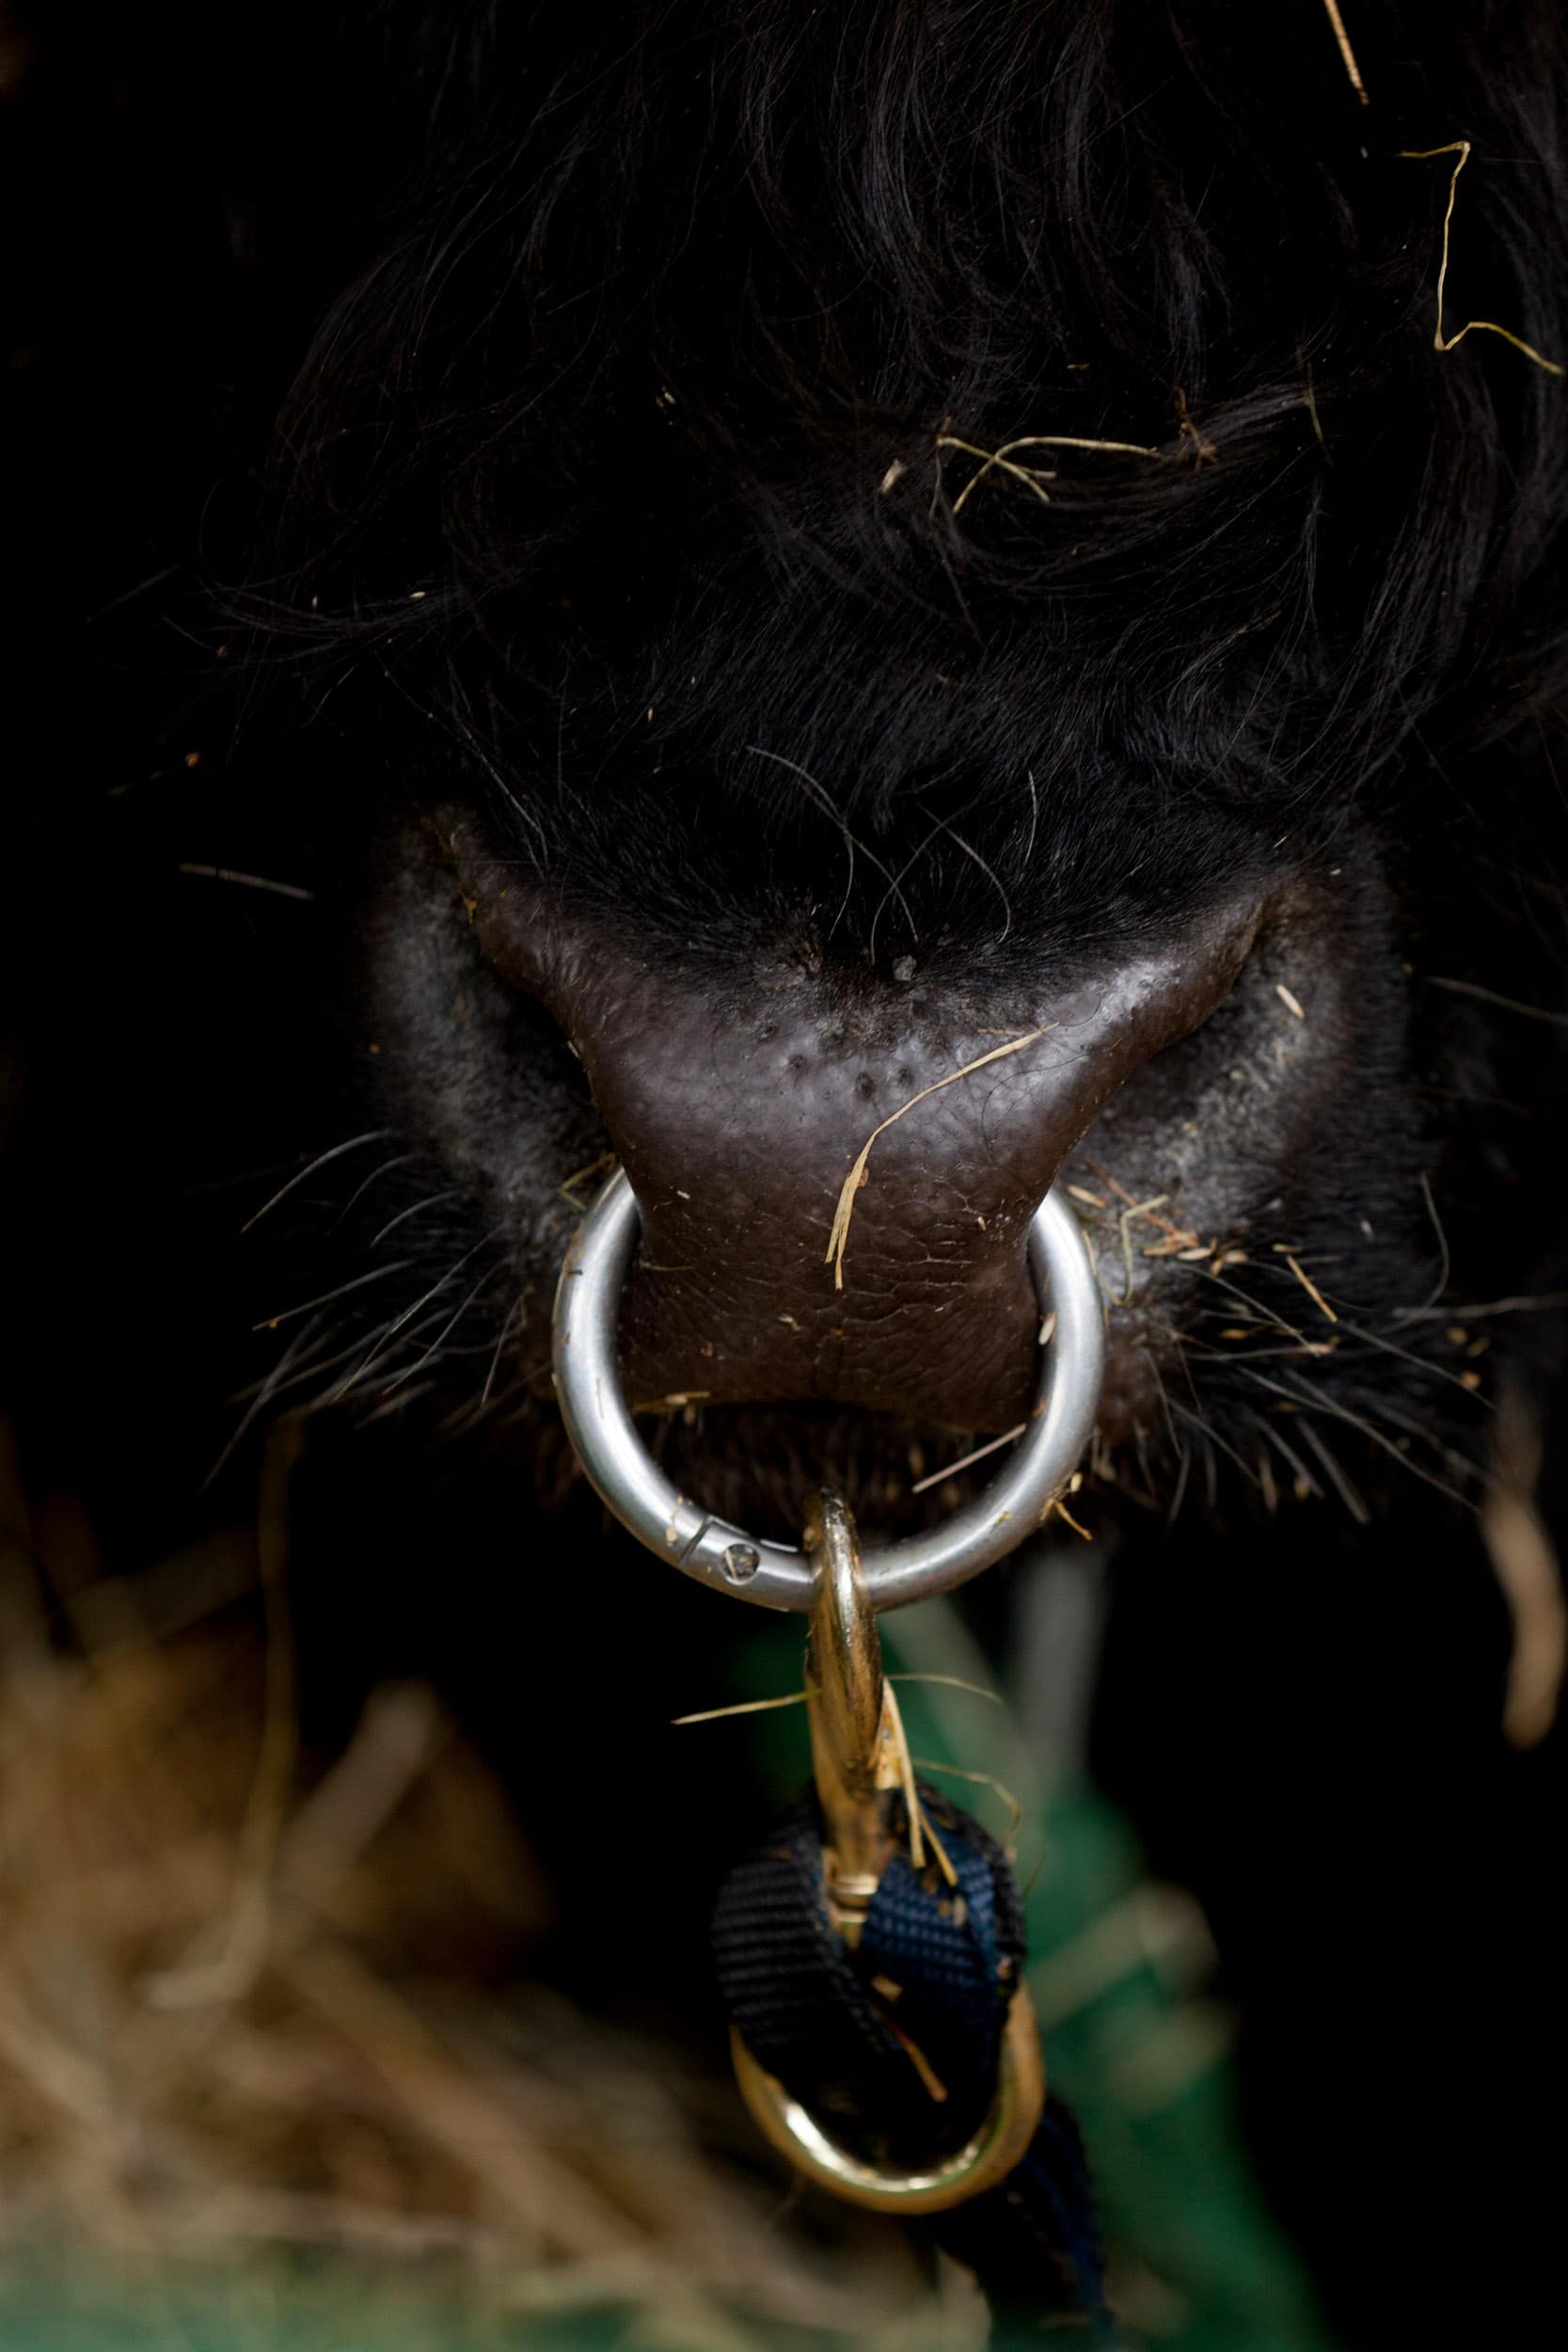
<point>1132,2041</point>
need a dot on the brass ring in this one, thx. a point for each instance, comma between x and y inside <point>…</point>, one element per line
<point>978,2165</point>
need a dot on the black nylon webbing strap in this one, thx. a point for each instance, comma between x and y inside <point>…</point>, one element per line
<point>937,1965</point>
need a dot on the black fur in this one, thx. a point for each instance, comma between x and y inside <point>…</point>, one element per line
<point>617,492</point>
<point>553,415</point>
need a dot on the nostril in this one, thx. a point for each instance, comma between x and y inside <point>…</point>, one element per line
<point>741,1092</point>
<point>741,1148</point>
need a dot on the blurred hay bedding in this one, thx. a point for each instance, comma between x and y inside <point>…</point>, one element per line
<point>249,2025</point>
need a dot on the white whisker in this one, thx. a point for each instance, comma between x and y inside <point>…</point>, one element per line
<point>371,1135</point>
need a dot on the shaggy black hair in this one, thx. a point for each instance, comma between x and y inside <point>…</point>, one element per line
<point>635,485</point>
<point>685,299</point>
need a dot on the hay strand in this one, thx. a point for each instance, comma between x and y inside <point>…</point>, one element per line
<point>742,1707</point>
<point>1346,52</point>
<point>1001,459</point>
<point>838,1236</point>
<point>1485,327</point>
<point>1313,1293</point>
<point>952,1682</point>
<point>979,1780</point>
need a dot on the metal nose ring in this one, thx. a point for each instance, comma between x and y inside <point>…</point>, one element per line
<point>776,1576</point>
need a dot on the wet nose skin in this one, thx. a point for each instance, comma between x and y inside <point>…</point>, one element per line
<point>738,1110</point>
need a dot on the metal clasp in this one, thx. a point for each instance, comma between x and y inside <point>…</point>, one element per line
<point>857,1763</point>
<point>854,1735</point>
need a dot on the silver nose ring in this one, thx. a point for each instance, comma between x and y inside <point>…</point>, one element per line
<point>1011,1506</point>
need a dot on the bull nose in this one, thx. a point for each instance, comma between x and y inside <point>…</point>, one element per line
<point>738,1102</point>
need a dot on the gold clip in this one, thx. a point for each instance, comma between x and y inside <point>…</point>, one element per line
<point>854,1739</point>
<point>856,1762</point>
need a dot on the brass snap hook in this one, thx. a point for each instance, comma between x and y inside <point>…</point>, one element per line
<point>854,1737</point>
<point>857,1763</point>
